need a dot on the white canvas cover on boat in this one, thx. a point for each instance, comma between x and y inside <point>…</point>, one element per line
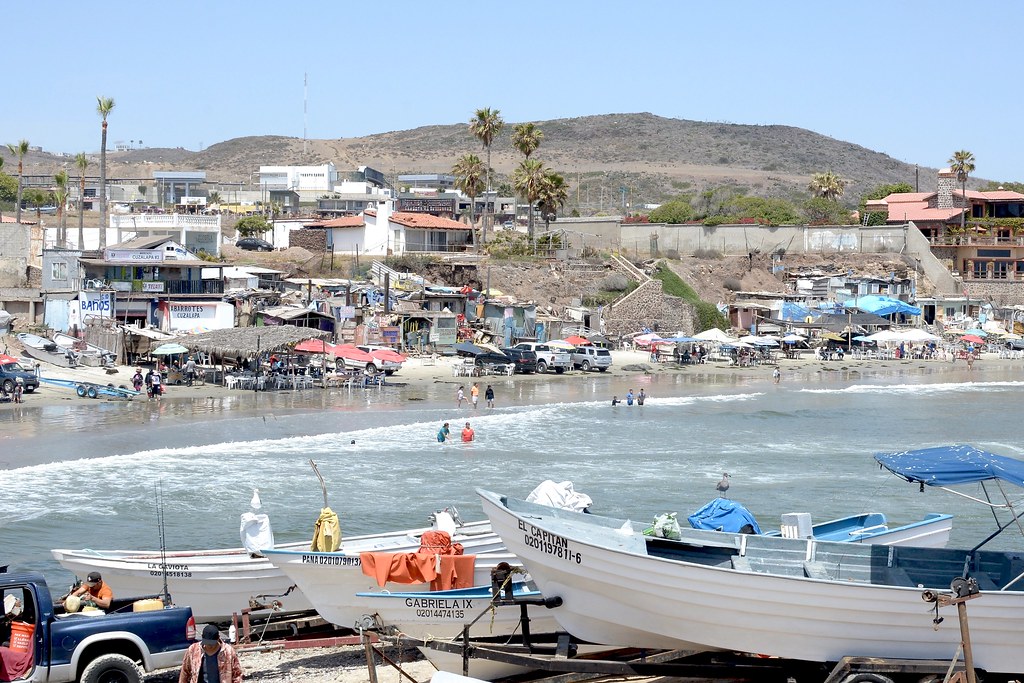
<point>256,532</point>
<point>559,495</point>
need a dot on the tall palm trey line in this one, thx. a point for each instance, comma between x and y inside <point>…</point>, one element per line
<point>82,162</point>
<point>962,163</point>
<point>19,149</point>
<point>486,125</point>
<point>104,105</point>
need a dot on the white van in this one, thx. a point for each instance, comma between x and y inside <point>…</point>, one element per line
<point>591,358</point>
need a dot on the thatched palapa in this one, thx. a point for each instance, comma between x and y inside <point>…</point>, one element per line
<point>247,341</point>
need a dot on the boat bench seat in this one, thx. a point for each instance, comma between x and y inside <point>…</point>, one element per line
<point>985,581</point>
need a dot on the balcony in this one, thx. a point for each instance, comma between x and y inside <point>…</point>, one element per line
<point>173,221</point>
<point>169,287</point>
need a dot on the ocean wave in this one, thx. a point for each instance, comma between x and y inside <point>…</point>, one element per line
<point>922,389</point>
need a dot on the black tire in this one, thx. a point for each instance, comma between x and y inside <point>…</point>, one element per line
<point>178,382</point>
<point>559,371</point>
<point>585,366</point>
<point>9,386</point>
<point>80,390</point>
<point>112,669</point>
<point>601,369</point>
<point>542,367</point>
<point>371,367</point>
<point>92,392</point>
<point>260,249</point>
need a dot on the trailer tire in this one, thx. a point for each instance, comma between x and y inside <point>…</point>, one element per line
<point>112,669</point>
<point>92,393</point>
<point>855,678</point>
<point>80,390</point>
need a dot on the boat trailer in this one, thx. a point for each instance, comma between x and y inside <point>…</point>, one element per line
<point>92,389</point>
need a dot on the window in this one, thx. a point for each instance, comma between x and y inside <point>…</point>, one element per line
<point>59,270</point>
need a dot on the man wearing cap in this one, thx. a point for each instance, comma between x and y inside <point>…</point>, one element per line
<point>94,590</point>
<point>210,660</point>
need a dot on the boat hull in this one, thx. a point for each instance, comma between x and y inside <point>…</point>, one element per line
<point>219,583</point>
<point>615,594</point>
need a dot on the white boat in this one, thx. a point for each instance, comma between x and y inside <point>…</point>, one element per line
<point>332,581</point>
<point>442,615</point>
<point>43,349</point>
<point>217,583</point>
<point>800,599</point>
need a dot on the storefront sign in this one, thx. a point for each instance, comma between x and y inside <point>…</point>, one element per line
<point>133,256</point>
<point>95,304</point>
<point>427,205</point>
<point>346,312</point>
<point>188,316</point>
<point>153,287</point>
<point>390,335</point>
<point>446,336</point>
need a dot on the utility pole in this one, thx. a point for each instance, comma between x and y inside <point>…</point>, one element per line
<point>305,93</point>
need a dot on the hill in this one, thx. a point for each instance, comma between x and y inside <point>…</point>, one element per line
<point>652,157</point>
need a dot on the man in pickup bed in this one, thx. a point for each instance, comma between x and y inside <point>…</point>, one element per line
<point>94,590</point>
<point>210,660</point>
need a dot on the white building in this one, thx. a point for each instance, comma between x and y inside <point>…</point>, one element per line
<point>309,181</point>
<point>383,231</point>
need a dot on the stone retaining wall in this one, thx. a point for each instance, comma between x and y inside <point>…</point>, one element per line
<point>649,306</point>
<point>311,239</point>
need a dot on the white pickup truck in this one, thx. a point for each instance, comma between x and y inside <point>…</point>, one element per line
<point>548,357</point>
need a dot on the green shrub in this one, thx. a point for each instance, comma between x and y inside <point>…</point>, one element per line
<point>708,315</point>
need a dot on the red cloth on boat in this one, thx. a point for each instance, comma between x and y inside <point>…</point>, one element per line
<point>442,572</point>
<point>439,542</point>
<point>14,664</point>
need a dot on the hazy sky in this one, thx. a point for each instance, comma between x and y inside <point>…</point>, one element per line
<point>916,80</point>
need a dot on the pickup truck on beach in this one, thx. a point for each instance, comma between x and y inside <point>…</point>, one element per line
<point>40,642</point>
<point>548,357</point>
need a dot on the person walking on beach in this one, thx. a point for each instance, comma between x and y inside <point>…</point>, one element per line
<point>210,660</point>
<point>629,397</point>
<point>467,434</point>
<point>137,379</point>
<point>158,385</point>
<point>474,395</point>
<point>460,396</point>
<point>641,397</point>
<point>443,433</point>
<point>190,371</point>
<point>776,374</point>
<point>489,395</point>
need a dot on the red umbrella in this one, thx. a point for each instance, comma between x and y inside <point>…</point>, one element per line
<point>387,355</point>
<point>349,352</point>
<point>973,339</point>
<point>576,340</point>
<point>5,359</point>
<point>314,346</point>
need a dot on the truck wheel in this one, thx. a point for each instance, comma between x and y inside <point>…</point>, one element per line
<point>542,367</point>
<point>92,393</point>
<point>559,371</point>
<point>80,390</point>
<point>601,369</point>
<point>112,669</point>
<point>586,366</point>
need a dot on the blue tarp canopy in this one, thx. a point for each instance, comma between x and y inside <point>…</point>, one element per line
<point>950,465</point>
<point>882,305</point>
<point>723,514</point>
<point>796,312</point>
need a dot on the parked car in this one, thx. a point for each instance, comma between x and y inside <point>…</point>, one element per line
<point>385,358</point>
<point>548,357</point>
<point>254,244</point>
<point>525,359</point>
<point>491,359</point>
<point>11,372</point>
<point>591,358</point>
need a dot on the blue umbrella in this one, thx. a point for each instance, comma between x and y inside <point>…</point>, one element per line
<point>978,332</point>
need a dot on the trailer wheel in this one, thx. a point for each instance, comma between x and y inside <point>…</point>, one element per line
<point>112,669</point>
<point>80,390</point>
<point>92,393</point>
<point>863,678</point>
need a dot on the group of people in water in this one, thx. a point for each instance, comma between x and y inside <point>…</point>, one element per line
<point>445,434</point>
<point>638,398</point>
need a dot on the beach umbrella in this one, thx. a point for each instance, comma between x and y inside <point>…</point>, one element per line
<point>577,340</point>
<point>387,355</point>
<point>884,336</point>
<point>793,338</point>
<point>5,359</point>
<point>916,335</point>
<point>714,335</point>
<point>465,348</point>
<point>560,344</point>
<point>314,346</point>
<point>972,338</point>
<point>977,332</point>
<point>169,349</point>
<point>349,352</point>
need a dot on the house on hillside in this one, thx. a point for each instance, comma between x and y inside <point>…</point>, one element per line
<point>989,247</point>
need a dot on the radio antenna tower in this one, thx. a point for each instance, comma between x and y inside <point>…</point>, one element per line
<point>305,93</point>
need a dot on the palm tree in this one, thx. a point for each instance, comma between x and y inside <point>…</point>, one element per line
<point>214,197</point>
<point>82,162</point>
<point>60,196</point>
<point>526,138</point>
<point>827,185</point>
<point>485,125</point>
<point>469,178</point>
<point>962,163</point>
<point>104,105</point>
<point>20,149</point>
<point>37,198</point>
<point>528,179</point>
<point>1,208</point>
<point>554,192</point>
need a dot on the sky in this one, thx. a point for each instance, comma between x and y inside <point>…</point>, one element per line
<point>912,79</point>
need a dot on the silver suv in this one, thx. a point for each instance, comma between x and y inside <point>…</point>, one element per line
<point>548,357</point>
<point>591,358</point>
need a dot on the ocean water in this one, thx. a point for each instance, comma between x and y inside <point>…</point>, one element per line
<point>794,447</point>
